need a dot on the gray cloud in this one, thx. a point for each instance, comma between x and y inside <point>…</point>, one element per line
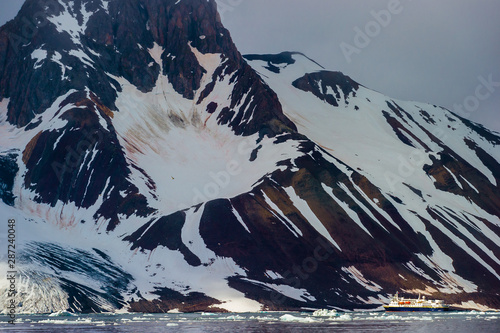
<point>9,10</point>
<point>431,51</point>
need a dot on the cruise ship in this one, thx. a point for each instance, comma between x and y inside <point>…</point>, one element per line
<point>415,304</point>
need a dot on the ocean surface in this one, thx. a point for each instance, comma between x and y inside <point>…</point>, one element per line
<point>463,321</point>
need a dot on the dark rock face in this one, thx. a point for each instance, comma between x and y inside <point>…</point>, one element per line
<point>283,58</point>
<point>164,232</point>
<point>8,172</point>
<point>34,84</point>
<point>116,41</point>
<point>317,83</point>
<point>67,172</point>
<point>249,119</point>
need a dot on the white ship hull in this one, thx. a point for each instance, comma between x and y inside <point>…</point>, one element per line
<point>415,304</point>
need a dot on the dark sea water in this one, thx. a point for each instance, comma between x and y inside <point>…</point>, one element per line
<point>457,322</point>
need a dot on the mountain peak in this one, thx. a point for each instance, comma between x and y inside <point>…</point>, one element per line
<point>83,39</point>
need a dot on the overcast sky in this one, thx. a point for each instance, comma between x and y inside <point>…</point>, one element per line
<point>441,52</point>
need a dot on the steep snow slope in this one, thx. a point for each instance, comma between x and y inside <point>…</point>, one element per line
<point>390,142</point>
<point>183,149</point>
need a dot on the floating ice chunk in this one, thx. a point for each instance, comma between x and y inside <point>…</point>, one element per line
<point>294,319</point>
<point>62,314</point>
<point>325,313</point>
<point>344,317</point>
<point>234,318</point>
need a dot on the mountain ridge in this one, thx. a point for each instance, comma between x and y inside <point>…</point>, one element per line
<point>216,182</point>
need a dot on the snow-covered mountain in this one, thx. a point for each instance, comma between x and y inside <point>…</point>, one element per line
<point>150,167</point>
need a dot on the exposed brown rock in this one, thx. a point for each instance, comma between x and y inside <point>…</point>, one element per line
<point>29,148</point>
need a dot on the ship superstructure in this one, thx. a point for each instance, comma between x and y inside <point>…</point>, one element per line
<point>415,304</point>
